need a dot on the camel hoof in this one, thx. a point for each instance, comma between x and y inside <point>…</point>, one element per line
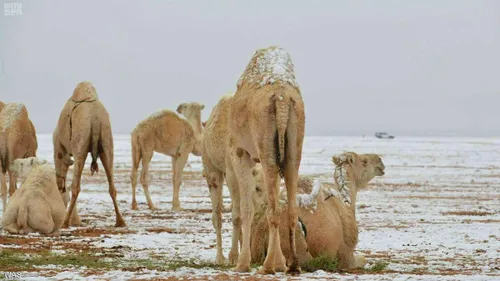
<point>65,225</point>
<point>233,258</point>
<point>265,271</point>
<point>294,270</point>
<point>177,208</point>
<point>282,268</point>
<point>53,234</point>
<point>242,268</point>
<point>220,260</point>
<point>120,223</point>
<point>134,206</point>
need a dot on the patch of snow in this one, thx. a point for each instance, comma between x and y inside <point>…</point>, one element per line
<point>268,66</point>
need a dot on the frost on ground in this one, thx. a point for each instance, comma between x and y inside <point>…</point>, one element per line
<point>435,215</point>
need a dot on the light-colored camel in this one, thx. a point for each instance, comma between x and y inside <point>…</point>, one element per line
<point>17,140</point>
<point>217,164</point>
<point>22,167</point>
<point>167,133</point>
<point>266,125</point>
<point>83,127</point>
<point>329,214</point>
<point>38,205</point>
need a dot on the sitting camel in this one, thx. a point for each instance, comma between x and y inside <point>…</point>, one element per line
<point>17,140</point>
<point>328,215</point>
<point>38,205</point>
<point>83,127</point>
<point>167,133</point>
<point>266,125</point>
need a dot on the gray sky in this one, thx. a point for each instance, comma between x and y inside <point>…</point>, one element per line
<point>407,67</point>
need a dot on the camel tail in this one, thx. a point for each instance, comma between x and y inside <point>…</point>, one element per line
<point>4,157</point>
<point>95,136</point>
<point>136,150</point>
<point>282,115</point>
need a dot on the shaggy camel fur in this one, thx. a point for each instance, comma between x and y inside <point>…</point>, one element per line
<point>329,214</point>
<point>37,205</point>
<point>17,140</point>
<point>266,125</point>
<point>167,133</point>
<point>83,127</point>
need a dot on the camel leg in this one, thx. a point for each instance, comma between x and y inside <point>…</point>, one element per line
<point>3,179</point>
<point>136,158</point>
<point>215,187</point>
<point>274,252</point>
<point>232,183</point>
<point>75,185</point>
<point>242,167</point>
<point>291,178</point>
<point>107,161</point>
<point>178,164</point>
<point>11,228</point>
<point>12,183</point>
<point>146,159</point>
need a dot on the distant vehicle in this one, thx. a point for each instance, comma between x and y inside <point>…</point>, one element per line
<point>383,135</point>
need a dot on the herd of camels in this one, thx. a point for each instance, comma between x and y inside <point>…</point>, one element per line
<point>252,139</point>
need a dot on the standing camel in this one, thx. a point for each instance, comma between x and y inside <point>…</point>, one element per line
<point>17,140</point>
<point>1,106</point>
<point>266,125</point>
<point>166,133</point>
<point>83,127</point>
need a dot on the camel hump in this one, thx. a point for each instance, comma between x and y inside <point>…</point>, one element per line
<point>269,66</point>
<point>12,112</point>
<point>84,91</point>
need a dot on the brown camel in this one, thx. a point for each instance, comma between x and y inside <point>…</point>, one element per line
<point>83,127</point>
<point>266,125</point>
<point>167,133</point>
<point>328,215</point>
<point>1,105</point>
<point>17,140</point>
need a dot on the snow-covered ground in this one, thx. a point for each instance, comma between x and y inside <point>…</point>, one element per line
<point>435,215</point>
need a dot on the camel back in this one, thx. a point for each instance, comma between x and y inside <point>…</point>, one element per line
<point>268,66</point>
<point>84,91</point>
<point>10,113</point>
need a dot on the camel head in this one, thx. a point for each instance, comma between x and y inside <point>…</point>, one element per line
<point>190,110</point>
<point>23,166</point>
<point>353,171</point>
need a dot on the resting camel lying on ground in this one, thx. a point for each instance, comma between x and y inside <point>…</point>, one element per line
<point>167,133</point>
<point>328,215</point>
<point>37,206</point>
<point>17,140</point>
<point>83,127</point>
<point>266,125</point>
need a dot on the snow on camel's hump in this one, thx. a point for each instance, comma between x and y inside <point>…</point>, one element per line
<point>269,66</point>
<point>84,91</point>
<point>10,113</point>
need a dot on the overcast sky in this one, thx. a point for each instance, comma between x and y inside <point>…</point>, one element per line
<point>406,67</point>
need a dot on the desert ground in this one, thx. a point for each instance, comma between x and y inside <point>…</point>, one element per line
<point>435,215</point>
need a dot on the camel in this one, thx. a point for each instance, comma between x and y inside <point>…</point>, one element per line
<point>38,205</point>
<point>83,127</point>
<point>17,140</point>
<point>329,215</point>
<point>266,125</point>
<point>167,133</point>
<point>2,105</point>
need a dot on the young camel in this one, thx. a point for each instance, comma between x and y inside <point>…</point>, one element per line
<point>17,140</point>
<point>38,204</point>
<point>83,127</point>
<point>167,133</point>
<point>266,125</point>
<point>328,215</point>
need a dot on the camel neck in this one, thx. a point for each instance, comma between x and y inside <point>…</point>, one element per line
<point>195,122</point>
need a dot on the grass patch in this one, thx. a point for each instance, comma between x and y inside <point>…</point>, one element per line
<point>325,263</point>
<point>377,267</point>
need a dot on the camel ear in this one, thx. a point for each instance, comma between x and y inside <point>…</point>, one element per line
<point>350,157</point>
<point>202,106</point>
<point>180,108</point>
